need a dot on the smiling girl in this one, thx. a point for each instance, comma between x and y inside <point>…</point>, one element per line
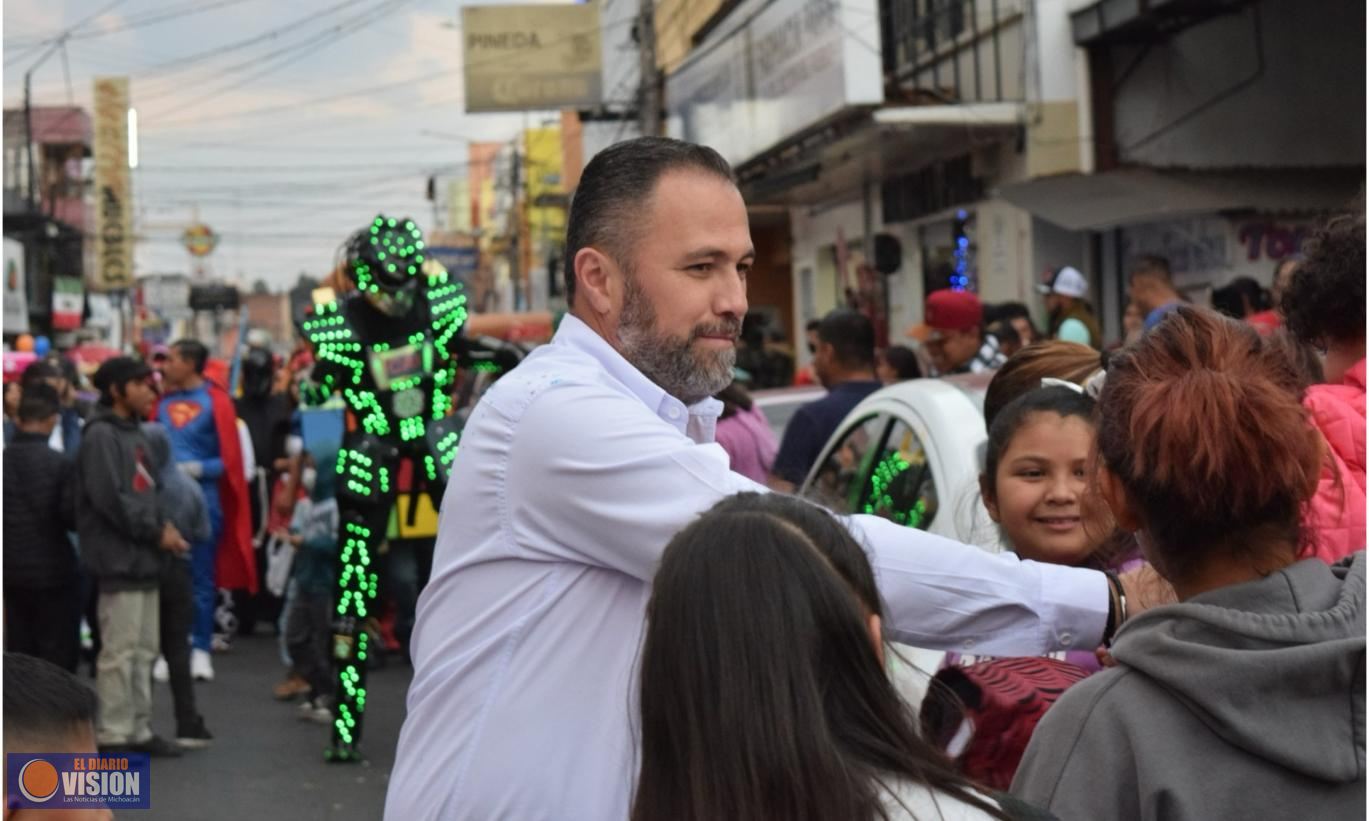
<point>1035,483</point>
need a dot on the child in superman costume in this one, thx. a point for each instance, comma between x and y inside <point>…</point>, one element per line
<point>201,419</point>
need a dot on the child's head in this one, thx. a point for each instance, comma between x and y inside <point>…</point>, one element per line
<point>39,408</point>
<point>1207,450</point>
<point>1036,481</point>
<point>762,692</point>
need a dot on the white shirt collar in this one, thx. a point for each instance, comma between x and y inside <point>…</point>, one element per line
<point>576,334</point>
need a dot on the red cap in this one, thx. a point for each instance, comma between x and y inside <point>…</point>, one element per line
<point>949,310</point>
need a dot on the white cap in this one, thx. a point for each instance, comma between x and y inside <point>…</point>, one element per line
<point>1066,282</point>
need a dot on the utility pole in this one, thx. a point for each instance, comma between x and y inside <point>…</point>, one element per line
<point>28,118</point>
<point>517,256</point>
<point>650,89</point>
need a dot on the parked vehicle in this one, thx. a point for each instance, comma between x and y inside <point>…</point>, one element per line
<point>780,404</point>
<point>912,453</point>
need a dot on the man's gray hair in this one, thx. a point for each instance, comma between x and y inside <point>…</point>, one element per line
<point>605,211</point>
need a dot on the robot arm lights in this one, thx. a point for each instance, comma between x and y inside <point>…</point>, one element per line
<point>390,349</point>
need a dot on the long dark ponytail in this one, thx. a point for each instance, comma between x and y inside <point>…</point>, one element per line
<point>761,694</point>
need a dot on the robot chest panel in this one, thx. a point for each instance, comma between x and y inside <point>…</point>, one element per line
<point>401,375</point>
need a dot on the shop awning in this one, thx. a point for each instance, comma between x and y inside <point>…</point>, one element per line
<point>1095,202</point>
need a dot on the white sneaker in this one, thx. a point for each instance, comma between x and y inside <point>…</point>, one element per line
<point>160,672</point>
<point>201,667</point>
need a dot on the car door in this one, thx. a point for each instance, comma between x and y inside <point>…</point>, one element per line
<point>841,477</point>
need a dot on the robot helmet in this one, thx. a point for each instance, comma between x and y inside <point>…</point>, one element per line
<point>386,255</point>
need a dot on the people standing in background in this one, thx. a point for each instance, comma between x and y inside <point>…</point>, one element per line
<point>897,363</point>
<point>202,422</point>
<point>1151,288</point>
<point>1241,298</point>
<point>1268,320</point>
<point>806,374</point>
<point>845,364</point>
<point>744,432</point>
<point>1133,324</point>
<point>314,535</point>
<point>1324,307</point>
<point>266,414</point>
<point>66,436</point>
<point>182,500</point>
<point>1009,342</point>
<point>1071,316</point>
<point>42,588</point>
<point>955,335</point>
<point>1017,315</point>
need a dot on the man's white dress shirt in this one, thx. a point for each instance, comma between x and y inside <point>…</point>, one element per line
<point>573,473</point>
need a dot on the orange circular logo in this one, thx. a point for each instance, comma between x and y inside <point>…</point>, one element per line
<point>38,780</point>
<point>200,240</point>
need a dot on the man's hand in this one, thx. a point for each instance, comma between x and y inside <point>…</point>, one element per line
<point>172,540</point>
<point>1144,589</point>
<point>193,469</point>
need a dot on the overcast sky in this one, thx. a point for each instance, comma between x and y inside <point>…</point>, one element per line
<point>265,115</point>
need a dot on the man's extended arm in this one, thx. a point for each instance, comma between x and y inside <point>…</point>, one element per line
<point>600,480</point>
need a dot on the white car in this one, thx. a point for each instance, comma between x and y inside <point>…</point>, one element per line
<point>911,452</point>
<point>780,404</point>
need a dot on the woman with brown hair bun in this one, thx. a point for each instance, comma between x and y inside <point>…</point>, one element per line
<point>1024,370</point>
<point>1245,699</point>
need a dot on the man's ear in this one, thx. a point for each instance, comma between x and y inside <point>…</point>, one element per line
<point>594,280</point>
<point>987,494</point>
<point>1123,511</point>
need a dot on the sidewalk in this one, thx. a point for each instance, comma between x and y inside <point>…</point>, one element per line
<point>266,764</point>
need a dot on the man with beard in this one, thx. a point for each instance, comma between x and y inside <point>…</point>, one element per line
<point>574,472</point>
<point>845,365</point>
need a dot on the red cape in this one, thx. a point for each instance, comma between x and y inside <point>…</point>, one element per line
<point>236,564</point>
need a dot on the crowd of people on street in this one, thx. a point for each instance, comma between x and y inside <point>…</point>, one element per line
<point>150,520</point>
<point>631,615</point>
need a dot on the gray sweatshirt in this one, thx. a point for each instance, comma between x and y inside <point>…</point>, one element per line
<point>117,516</point>
<point>1243,702</point>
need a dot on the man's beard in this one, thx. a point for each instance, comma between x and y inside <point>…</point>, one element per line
<point>674,364</point>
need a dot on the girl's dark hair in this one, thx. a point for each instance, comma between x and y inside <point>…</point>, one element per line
<point>1201,422</point>
<point>761,695</point>
<point>734,398</point>
<point>1024,370</point>
<point>903,361</point>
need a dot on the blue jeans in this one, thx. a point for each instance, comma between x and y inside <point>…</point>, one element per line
<point>203,557</point>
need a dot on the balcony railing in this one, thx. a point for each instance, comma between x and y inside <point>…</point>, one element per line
<point>953,51</point>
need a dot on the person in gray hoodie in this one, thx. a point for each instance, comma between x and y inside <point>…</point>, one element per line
<point>123,532</point>
<point>1246,698</point>
<point>183,501</point>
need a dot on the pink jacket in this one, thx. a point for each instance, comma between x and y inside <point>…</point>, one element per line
<point>1335,519</point>
<point>749,442</point>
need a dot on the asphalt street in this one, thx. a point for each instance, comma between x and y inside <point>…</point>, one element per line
<point>265,763</point>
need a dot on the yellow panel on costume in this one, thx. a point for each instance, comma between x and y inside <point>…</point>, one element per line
<point>425,521</point>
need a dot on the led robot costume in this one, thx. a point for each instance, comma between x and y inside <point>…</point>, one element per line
<point>390,349</point>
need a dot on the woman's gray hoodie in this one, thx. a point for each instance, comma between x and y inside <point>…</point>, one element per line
<point>1243,702</point>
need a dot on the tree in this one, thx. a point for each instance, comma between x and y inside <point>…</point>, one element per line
<point>260,287</point>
